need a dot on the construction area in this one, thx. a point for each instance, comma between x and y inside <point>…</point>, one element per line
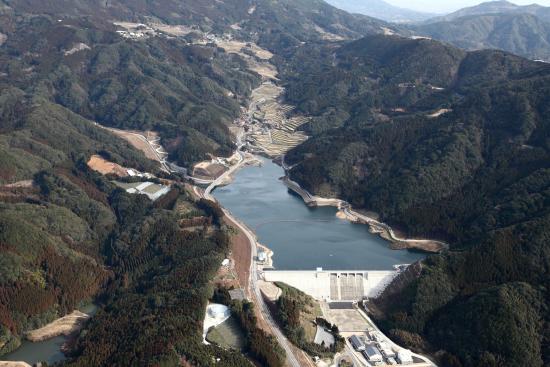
<point>105,167</point>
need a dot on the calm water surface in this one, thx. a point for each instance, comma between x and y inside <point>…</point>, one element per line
<point>303,238</point>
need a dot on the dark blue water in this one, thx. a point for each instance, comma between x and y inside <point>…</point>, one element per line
<point>303,238</point>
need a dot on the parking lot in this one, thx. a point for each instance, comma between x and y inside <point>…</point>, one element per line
<point>348,321</point>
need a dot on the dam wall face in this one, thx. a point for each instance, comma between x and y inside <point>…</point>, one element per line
<point>335,285</point>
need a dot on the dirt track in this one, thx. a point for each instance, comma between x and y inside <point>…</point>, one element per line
<point>137,142</point>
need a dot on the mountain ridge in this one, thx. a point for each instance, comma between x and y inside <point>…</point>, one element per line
<point>381,10</point>
<point>495,7</point>
<point>522,30</point>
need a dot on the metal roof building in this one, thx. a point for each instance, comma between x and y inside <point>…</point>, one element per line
<point>372,354</point>
<point>357,343</point>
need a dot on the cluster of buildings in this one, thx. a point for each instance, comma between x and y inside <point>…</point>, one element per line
<point>135,173</point>
<point>139,31</point>
<point>378,352</point>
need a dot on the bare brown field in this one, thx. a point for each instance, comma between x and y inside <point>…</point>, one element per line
<point>173,30</point>
<point>267,71</point>
<point>234,46</point>
<point>103,166</point>
<point>208,170</point>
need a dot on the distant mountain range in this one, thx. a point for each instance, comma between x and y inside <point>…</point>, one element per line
<point>496,7</point>
<point>522,30</point>
<point>381,10</point>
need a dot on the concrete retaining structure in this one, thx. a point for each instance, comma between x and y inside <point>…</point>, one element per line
<point>335,285</point>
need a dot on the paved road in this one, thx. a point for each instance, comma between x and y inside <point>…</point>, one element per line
<point>254,276</point>
<point>256,293</point>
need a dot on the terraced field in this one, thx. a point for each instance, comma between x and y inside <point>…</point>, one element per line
<point>274,130</point>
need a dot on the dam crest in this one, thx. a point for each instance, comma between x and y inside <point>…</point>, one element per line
<point>335,285</point>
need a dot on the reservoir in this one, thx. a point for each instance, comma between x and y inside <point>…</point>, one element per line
<point>303,238</point>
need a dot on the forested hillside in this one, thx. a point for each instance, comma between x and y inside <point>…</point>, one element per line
<point>522,30</point>
<point>440,142</point>
<point>188,92</point>
<point>68,236</point>
<point>519,33</point>
<point>180,90</point>
<point>276,24</point>
<point>474,174</point>
<point>53,229</point>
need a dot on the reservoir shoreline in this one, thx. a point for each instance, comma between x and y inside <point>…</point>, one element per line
<point>345,211</point>
<point>300,236</point>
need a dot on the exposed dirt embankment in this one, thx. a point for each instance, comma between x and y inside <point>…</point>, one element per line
<point>398,243</point>
<point>240,250</point>
<point>425,246</point>
<point>269,290</point>
<point>375,226</point>
<point>63,326</point>
<point>103,166</point>
<point>14,364</point>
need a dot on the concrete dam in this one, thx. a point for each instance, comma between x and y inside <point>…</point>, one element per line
<point>335,285</point>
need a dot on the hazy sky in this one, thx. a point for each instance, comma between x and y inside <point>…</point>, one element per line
<point>442,6</point>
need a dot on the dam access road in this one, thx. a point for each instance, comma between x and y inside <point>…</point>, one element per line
<point>254,288</point>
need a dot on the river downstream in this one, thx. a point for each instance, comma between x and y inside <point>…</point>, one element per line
<point>44,351</point>
<point>301,237</point>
